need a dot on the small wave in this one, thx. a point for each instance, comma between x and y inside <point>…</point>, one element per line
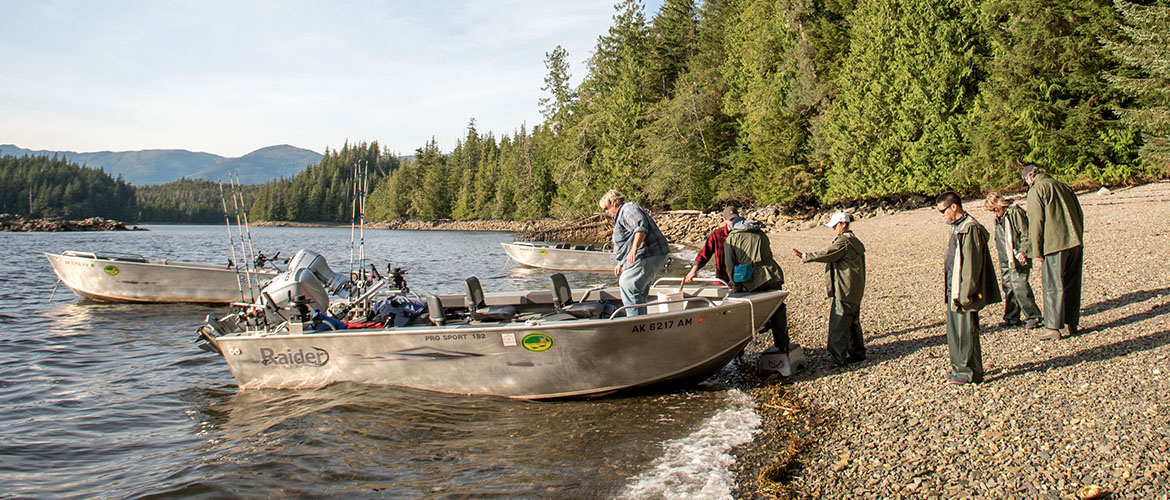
<point>696,466</point>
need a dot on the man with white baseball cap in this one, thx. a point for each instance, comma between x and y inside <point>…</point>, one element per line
<point>845,280</point>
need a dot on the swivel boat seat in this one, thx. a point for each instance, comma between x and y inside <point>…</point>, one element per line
<point>563,300</point>
<point>479,309</point>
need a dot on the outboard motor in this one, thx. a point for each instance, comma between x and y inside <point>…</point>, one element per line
<point>305,286</point>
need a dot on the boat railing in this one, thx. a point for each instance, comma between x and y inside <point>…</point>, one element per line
<point>129,257</point>
<point>710,303</point>
<point>669,279</point>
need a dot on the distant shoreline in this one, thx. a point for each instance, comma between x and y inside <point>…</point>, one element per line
<point>17,224</point>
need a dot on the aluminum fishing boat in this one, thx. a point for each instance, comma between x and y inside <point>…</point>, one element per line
<point>560,256</point>
<point>539,344</point>
<point>112,277</point>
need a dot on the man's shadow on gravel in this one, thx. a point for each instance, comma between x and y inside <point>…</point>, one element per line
<point>1123,300</point>
<point>1099,353</point>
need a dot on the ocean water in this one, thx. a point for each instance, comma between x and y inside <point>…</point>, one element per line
<point>116,401</point>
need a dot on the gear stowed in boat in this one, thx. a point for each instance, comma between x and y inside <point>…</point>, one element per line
<point>535,344</point>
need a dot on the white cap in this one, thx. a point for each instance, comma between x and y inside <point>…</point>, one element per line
<point>838,218</point>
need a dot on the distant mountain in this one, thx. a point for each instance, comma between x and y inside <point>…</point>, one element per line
<point>156,166</point>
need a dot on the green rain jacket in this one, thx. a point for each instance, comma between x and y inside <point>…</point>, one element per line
<point>844,267</point>
<point>1011,236</point>
<point>747,244</point>
<point>974,280</point>
<point>1054,216</point>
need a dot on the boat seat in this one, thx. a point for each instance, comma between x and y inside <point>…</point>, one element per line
<point>435,311</point>
<point>479,309</point>
<point>563,300</point>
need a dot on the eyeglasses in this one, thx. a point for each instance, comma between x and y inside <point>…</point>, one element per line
<point>944,209</point>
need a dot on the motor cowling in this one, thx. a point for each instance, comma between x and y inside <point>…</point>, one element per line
<point>307,283</point>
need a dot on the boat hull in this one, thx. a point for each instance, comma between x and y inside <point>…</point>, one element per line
<point>559,259</point>
<point>553,359</point>
<point>104,279</point>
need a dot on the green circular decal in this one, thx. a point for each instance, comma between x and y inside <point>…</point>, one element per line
<point>537,342</point>
<point>544,252</point>
<point>111,270</point>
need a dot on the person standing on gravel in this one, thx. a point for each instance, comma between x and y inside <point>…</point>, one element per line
<point>970,284</point>
<point>713,249</point>
<point>845,280</point>
<point>747,258</point>
<point>1057,230</point>
<point>1011,242</point>
<point>638,246</point>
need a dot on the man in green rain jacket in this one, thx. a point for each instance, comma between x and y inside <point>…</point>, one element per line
<point>970,284</point>
<point>845,280</point>
<point>1011,240</point>
<point>748,247</point>
<point>1056,229</point>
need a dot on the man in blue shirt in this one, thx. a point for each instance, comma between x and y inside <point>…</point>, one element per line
<point>638,246</point>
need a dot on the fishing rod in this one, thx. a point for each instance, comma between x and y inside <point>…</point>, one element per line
<point>248,230</point>
<point>243,250</point>
<point>353,214</point>
<point>362,220</point>
<point>231,239</point>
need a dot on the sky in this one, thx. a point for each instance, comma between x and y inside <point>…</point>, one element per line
<point>230,77</point>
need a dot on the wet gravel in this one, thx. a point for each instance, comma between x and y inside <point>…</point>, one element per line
<point>1051,418</point>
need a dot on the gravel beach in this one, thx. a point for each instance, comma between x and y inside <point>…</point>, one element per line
<point>1051,418</point>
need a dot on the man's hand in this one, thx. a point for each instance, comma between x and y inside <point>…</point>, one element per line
<point>691,275</point>
<point>1021,258</point>
<point>617,271</point>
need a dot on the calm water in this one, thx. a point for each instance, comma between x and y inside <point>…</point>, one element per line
<point>115,401</point>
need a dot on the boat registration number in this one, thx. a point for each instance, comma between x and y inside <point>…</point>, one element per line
<point>661,325</point>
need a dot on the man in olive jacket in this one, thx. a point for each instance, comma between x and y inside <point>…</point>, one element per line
<point>1056,230</point>
<point>970,283</point>
<point>1011,240</point>
<point>845,281</point>
<point>748,246</point>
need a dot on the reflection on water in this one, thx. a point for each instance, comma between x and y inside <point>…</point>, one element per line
<point>115,400</point>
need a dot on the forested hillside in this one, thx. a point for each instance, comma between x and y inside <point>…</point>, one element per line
<point>775,102</point>
<point>193,201</point>
<point>748,101</point>
<point>42,187</point>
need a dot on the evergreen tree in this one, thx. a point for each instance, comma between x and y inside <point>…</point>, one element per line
<point>1144,47</point>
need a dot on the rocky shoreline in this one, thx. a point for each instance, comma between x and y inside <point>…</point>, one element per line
<point>19,224</point>
<point>686,227</point>
<point>1052,417</point>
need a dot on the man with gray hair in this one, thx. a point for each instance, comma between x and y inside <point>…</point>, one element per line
<point>1056,229</point>
<point>638,246</point>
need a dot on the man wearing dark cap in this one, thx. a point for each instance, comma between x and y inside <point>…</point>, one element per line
<point>1056,230</point>
<point>713,249</point>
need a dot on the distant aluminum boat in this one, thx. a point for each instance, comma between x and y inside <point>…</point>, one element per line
<point>114,277</point>
<point>560,256</point>
<point>527,345</point>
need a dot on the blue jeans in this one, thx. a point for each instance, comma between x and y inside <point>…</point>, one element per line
<point>636,279</point>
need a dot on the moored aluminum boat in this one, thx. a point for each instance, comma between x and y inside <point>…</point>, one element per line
<point>540,351</point>
<point>560,256</point>
<point>111,277</point>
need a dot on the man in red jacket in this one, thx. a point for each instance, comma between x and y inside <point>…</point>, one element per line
<point>713,249</point>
